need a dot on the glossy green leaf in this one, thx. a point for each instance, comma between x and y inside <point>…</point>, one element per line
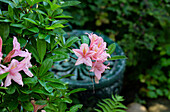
<point>2,76</point>
<point>117,57</point>
<point>42,36</point>
<point>57,85</point>
<point>47,87</point>
<point>54,26</point>
<point>34,52</point>
<point>76,107</point>
<point>69,3</point>
<point>59,56</point>
<point>11,89</point>
<point>3,88</point>
<point>46,65</point>
<point>70,41</point>
<point>67,100</point>
<point>63,16</point>
<point>76,90</point>
<point>68,75</point>
<point>111,48</point>
<point>34,29</point>
<point>30,80</point>
<point>85,39</point>
<point>17,25</point>
<point>41,48</point>
<point>30,20</point>
<point>41,102</point>
<point>4,30</point>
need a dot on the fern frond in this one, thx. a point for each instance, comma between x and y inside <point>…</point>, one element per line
<point>111,105</point>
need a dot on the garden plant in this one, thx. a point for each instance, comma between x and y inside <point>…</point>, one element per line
<point>141,28</point>
<point>31,40</point>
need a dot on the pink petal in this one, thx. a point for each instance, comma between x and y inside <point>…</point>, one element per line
<point>97,74</point>
<point>79,61</point>
<point>88,61</point>
<point>78,52</point>
<point>16,45</point>
<point>17,78</point>
<point>8,80</point>
<point>84,48</point>
<point>26,70</point>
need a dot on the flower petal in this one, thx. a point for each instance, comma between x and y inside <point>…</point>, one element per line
<point>78,52</point>
<point>16,45</point>
<point>79,61</point>
<point>8,80</point>
<point>17,78</point>
<point>88,61</point>
<point>27,72</point>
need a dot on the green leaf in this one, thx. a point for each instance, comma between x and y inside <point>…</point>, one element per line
<point>152,94</point>
<point>84,39</point>
<point>67,100</point>
<point>151,87</point>
<point>75,108</point>
<point>17,25</point>
<point>54,26</point>
<point>24,97</point>
<point>41,102</point>
<point>46,65</point>
<point>4,30</point>
<point>59,56</point>
<point>10,12</point>
<point>13,104</point>
<point>63,16</point>
<point>3,88</point>
<point>47,87</point>
<point>111,48</point>
<point>2,76</point>
<point>54,80</point>
<point>34,52</point>
<point>34,29</point>
<point>42,36</point>
<point>69,3</point>
<point>70,41</point>
<point>68,75</point>
<point>41,47</point>
<point>57,85</point>
<point>30,20</point>
<point>31,80</point>
<point>27,105</point>
<point>117,57</point>
<point>76,90</point>
<point>11,89</point>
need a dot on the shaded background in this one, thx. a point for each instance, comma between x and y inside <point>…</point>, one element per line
<point>142,29</point>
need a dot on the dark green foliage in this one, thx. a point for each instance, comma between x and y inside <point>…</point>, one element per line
<point>111,105</point>
<point>141,28</point>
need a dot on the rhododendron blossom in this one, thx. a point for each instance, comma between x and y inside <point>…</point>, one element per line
<point>83,55</point>
<point>96,53</point>
<point>0,49</point>
<point>98,68</point>
<point>15,66</point>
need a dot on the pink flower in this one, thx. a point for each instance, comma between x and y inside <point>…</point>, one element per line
<point>14,74</point>
<point>26,63</point>
<point>0,49</point>
<point>93,39</point>
<point>98,68</point>
<point>83,55</point>
<point>15,51</point>
<point>15,66</point>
